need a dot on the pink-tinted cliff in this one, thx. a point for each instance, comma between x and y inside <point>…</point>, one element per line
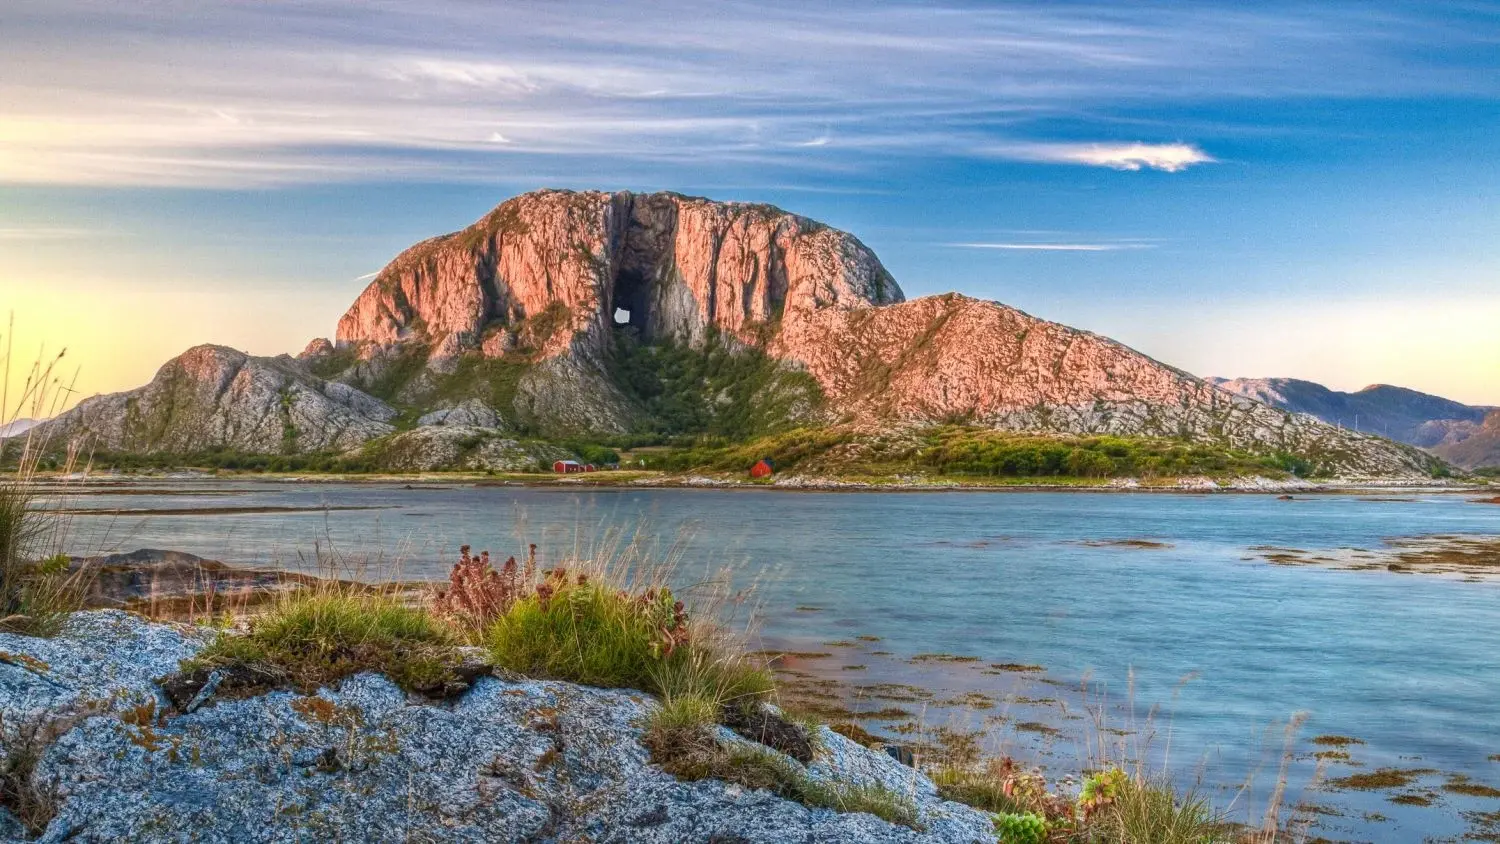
<point>677,265</point>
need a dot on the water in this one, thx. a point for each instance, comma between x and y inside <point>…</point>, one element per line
<point>1409,664</point>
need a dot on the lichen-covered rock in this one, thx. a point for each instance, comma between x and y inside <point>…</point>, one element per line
<point>472,413</point>
<point>507,761</point>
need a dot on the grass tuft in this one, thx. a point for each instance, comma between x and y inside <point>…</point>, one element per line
<point>314,639</point>
<point>37,588</point>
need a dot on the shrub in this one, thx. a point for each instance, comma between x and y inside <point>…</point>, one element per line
<point>477,594</point>
<point>583,631</point>
<point>310,640</point>
<point>1021,828</point>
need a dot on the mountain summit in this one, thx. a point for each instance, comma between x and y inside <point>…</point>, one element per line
<point>586,314</point>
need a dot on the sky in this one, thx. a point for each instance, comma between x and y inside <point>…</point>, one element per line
<point>1304,190</point>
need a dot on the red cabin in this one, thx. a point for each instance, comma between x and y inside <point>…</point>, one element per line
<point>762,469</point>
<point>567,467</point>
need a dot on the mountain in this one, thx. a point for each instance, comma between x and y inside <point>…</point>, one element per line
<point>1471,445</point>
<point>1408,416</point>
<point>212,398</point>
<point>16,427</point>
<point>568,315</point>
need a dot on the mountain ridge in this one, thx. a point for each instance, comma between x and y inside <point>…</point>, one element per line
<point>1427,421</point>
<point>593,314</point>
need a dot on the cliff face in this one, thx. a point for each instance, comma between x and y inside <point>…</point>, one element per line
<point>676,265</point>
<point>211,397</point>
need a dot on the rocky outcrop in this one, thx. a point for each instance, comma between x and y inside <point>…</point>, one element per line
<point>212,397</point>
<point>505,761</point>
<point>952,357</point>
<point>176,583</point>
<point>678,265</point>
<point>433,447</point>
<point>472,413</point>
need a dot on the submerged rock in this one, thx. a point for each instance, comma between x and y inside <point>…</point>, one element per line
<point>505,761</point>
<point>177,583</point>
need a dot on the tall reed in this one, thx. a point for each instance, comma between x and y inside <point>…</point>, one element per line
<point>38,587</point>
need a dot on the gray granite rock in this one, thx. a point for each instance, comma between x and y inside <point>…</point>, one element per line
<point>506,761</point>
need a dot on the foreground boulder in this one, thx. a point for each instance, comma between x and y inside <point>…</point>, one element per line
<point>506,761</point>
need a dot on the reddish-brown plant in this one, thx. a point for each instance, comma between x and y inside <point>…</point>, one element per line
<point>477,594</point>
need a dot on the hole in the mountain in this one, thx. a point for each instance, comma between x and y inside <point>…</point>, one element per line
<point>630,300</point>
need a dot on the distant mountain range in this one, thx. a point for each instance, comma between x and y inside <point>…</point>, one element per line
<point>1465,435</point>
<point>567,316</point>
<point>16,427</point>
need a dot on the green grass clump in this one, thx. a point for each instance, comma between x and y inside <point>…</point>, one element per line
<point>1143,810</point>
<point>588,632</point>
<point>311,640</point>
<point>985,793</point>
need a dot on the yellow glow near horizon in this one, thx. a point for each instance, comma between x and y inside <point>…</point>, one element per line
<point>117,334</point>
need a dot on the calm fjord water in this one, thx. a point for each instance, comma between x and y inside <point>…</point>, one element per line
<point>1409,664</point>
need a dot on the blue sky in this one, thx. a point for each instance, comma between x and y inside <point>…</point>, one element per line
<point>1303,189</point>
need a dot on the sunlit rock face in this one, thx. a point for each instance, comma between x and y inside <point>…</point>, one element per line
<point>677,265</point>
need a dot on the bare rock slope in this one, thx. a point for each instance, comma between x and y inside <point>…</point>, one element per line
<point>211,397</point>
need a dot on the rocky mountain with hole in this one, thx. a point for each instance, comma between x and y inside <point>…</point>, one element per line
<point>97,750</point>
<point>564,315</point>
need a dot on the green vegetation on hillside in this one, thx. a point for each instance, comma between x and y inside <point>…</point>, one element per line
<point>713,390</point>
<point>406,384</point>
<point>234,460</point>
<point>959,451</point>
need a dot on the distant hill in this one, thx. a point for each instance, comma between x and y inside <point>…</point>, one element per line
<point>1442,426</point>
<point>1471,445</point>
<point>16,427</point>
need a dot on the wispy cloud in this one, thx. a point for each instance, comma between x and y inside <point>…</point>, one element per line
<point>403,90</point>
<point>1171,158</point>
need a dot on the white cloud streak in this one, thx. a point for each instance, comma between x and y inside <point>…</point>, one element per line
<point>1170,158</point>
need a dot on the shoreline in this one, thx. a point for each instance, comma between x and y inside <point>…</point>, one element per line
<point>634,480</point>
